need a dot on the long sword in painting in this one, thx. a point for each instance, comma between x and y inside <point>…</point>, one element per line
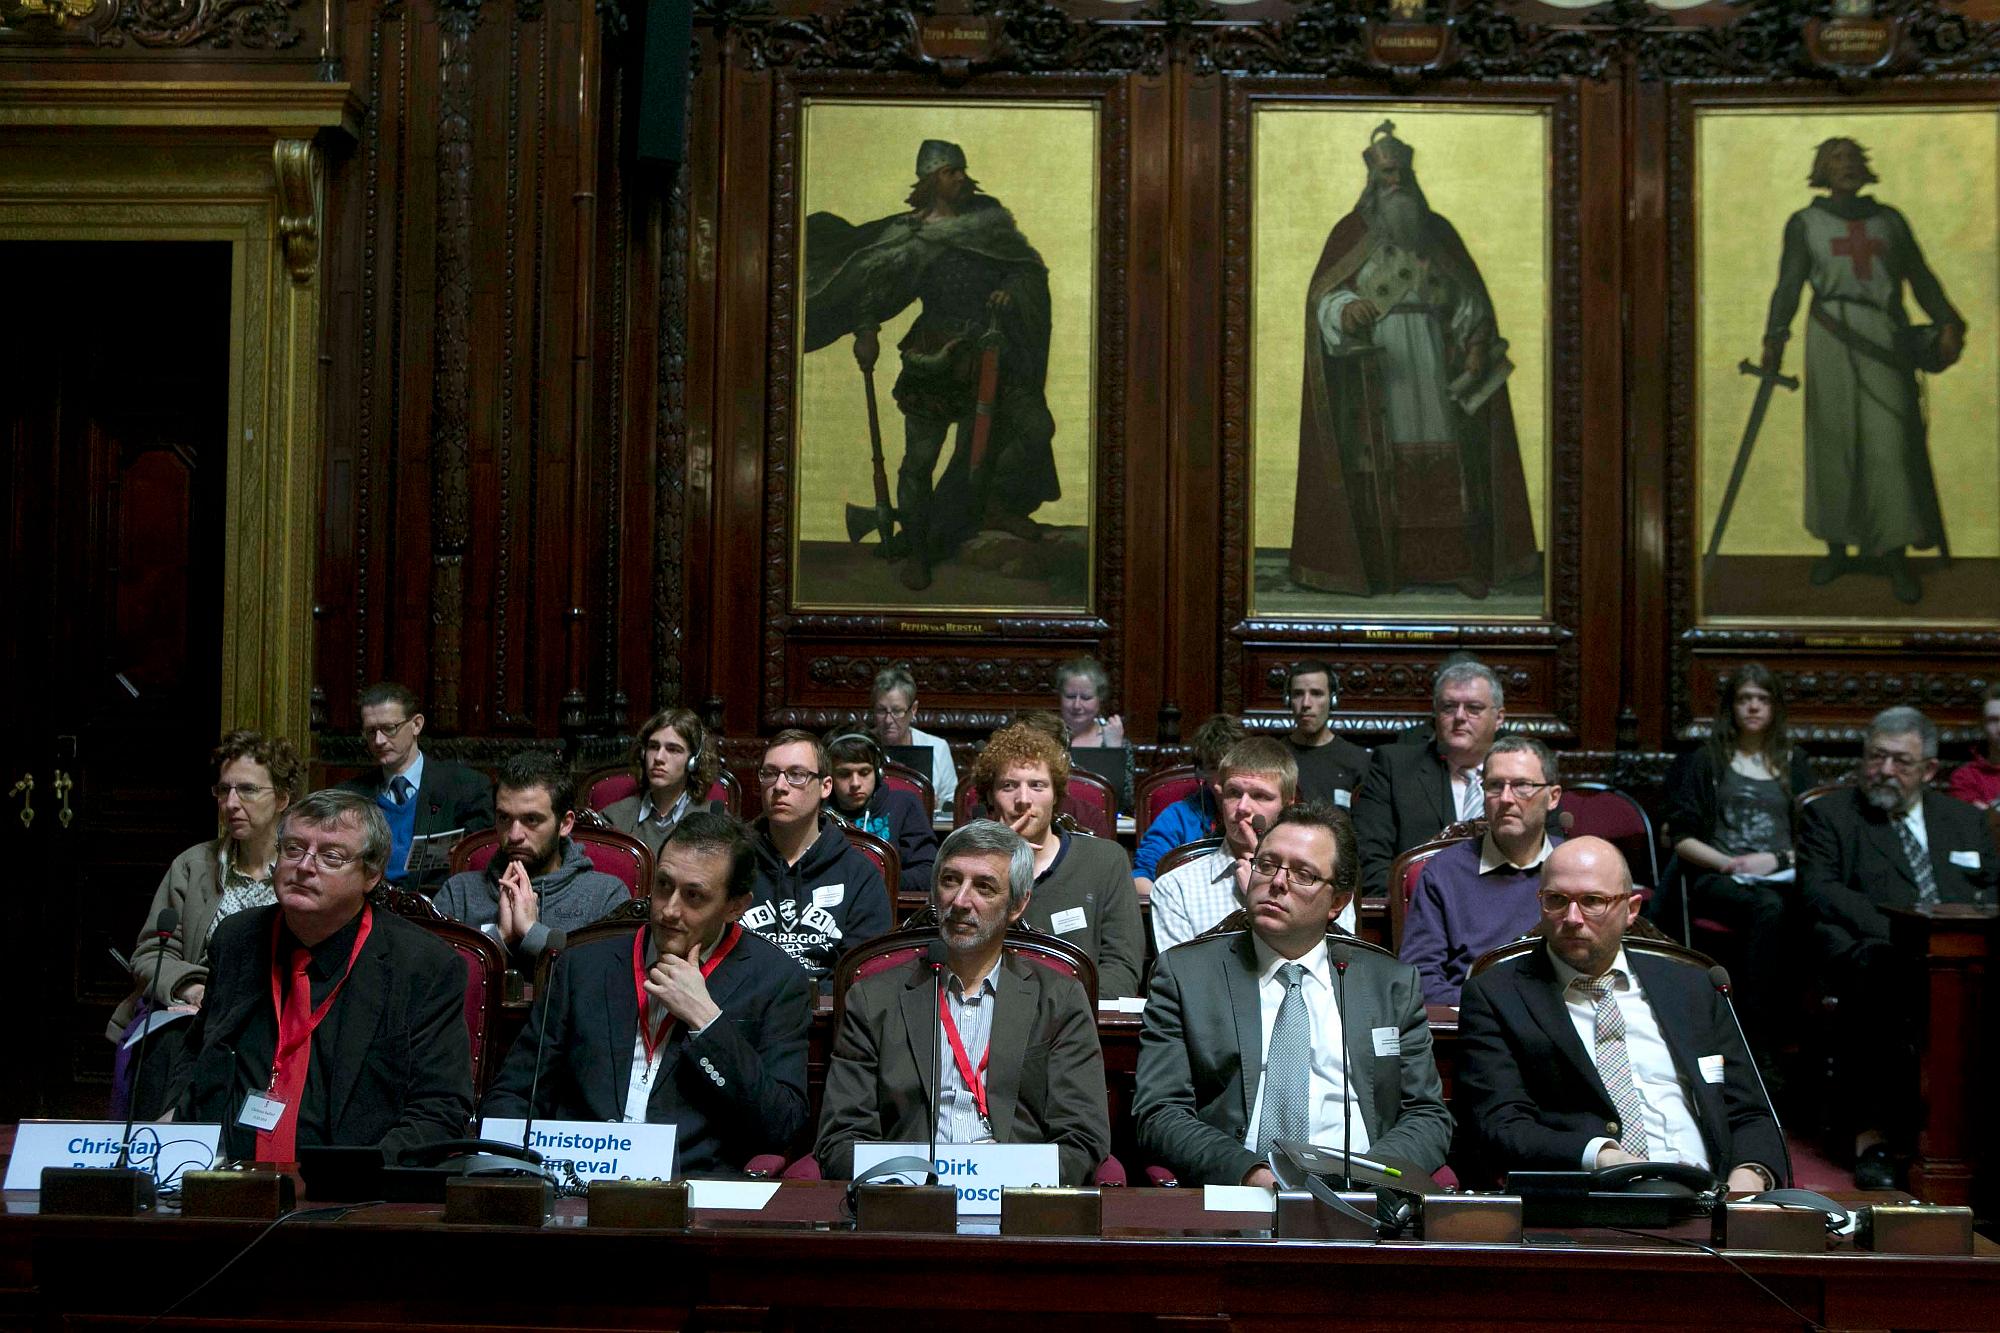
<point>1767,383</point>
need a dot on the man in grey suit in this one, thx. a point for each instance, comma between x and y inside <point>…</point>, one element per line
<point>1243,1041</point>
<point>1013,1044</point>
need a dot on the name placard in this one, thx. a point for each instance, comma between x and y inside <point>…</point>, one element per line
<point>598,1149</point>
<point>164,1147</point>
<point>978,1171</point>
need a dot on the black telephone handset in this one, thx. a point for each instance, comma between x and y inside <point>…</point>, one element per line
<point>475,1156</point>
<point>1652,1178</point>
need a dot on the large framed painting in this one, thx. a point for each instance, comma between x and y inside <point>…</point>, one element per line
<point>1403,398</point>
<point>944,434</point>
<point>1839,296</point>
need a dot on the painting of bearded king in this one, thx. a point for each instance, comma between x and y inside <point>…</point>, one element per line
<point>1410,481</point>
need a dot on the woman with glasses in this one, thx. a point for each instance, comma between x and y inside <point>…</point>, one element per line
<point>256,777</point>
<point>1729,814</point>
<point>892,717</point>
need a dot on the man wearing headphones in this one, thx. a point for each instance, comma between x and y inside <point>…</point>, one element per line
<point>862,799</point>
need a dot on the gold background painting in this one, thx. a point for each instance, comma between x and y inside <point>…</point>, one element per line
<point>1938,168</point>
<point>1039,160</point>
<point>1486,171</point>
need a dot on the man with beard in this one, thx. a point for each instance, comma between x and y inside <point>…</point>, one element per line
<point>984,290</point>
<point>1409,470</point>
<point>539,885</point>
<point>1868,465</point>
<point>1015,1043</point>
<point>1889,842</point>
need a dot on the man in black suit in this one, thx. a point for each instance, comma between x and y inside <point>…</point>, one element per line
<point>722,1055</point>
<point>1248,1038</point>
<point>1414,789</point>
<point>1890,842</point>
<point>1012,1044</point>
<point>1581,1054</point>
<point>418,795</point>
<point>370,1045</point>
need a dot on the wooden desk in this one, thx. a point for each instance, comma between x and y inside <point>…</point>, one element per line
<point>1956,1059</point>
<point>1163,1262</point>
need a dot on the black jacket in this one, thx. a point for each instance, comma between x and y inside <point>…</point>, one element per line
<point>450,796</point>
<point>1527,1093</point>
<point>1851,862</point>
<point>1404,800</point>
<point>392,1058</point>
<point>897,817</point>
<point>735,1090</point>
<point>1691,787</point>
<point>790,904</point>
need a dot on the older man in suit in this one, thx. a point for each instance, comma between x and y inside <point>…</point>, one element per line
<point>1889,842</point>
<point>367,1043</point>
<point>1416,788</point>
<point>1286,1031</point>
<point>1014,1045</point>
<point>1581,1054</point>
<point>720,1051</point>
<point>419,795</point>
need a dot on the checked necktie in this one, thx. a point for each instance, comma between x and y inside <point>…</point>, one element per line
<point>1614,1065</point>
<point>1287,1067</point>
<point>1920,865</point>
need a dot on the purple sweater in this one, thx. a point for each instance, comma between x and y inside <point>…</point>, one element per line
<point>1456,914</point>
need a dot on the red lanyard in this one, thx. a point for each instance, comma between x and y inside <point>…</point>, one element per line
<point>657,1036</point>
<point>973,1079</point>
<point>298,1034</point>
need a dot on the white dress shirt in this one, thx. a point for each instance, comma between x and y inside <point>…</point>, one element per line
<point>959,1120</point>
<point>1671,1132</point>
<point>1196,895</point>
<point>639,1087</point>
<point>1327,1084</point>
<point>1913,818</point>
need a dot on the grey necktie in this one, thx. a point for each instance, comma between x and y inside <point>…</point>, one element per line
<point>1288,1067</point>
<point>1473,806</point>
<point>1920,864</point>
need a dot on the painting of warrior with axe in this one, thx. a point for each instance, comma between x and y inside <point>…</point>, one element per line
<point>1858,384</point>
<point>957,482</point>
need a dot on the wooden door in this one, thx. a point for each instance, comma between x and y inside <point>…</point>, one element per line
<point>114,391</point>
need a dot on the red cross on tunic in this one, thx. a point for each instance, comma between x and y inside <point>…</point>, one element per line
<point>1859,248</point>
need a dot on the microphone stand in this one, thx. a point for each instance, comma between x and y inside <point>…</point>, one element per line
<point>936,954</point>
<point>1718,976</point>
<point>163,930</point>
<point>541,1045</point>
<point>1346,1079</point>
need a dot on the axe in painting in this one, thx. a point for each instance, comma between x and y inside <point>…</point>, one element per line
<point>1767,383</point>
<point>882,518</point>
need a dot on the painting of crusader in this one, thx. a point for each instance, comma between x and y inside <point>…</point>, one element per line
<point>947,320</point>
<point>1400,361</point>
<point>1847,364</point>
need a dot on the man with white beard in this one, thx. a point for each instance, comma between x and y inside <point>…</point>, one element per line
<point>1409,469</point>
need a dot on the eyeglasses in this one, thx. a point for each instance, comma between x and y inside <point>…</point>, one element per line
<point>326,858</point>
<point>1301,877</point>
<point>1501,786</point>
<point>244,790</point>
<point>884,710</point>
<point>794,777</point>
<point>1592,905</point>
<point>385,733</point>
<point>1902,763</point>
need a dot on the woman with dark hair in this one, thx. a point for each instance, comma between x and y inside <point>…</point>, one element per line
<point>1729,814</point>
<point>256,778</point>
<point>676,762</point>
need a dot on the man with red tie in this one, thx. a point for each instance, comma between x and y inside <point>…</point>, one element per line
<point>328,1022</point>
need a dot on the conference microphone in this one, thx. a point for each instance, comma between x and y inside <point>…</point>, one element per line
<point>541,1048</point>
<point>936,955</point>
<point>1346,1076</point>
<point>163,930</point>
<point>1718,976</point>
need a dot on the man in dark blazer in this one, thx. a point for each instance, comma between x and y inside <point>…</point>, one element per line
<point>1019,1062</point>
<point>387,1062</point>
<point>723,1056</point>
<point>1889,842</point>
<point>1414,789</point>
<point>1530,1038</point>
<point>419,795</point>
<point>1215,1088</point>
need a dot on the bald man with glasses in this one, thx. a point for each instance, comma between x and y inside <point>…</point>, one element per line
<point>1581,1054</point>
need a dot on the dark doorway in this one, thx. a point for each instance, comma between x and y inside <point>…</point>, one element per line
<point>114,400</point>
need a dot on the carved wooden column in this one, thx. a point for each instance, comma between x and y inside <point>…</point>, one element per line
<point>1954,941</point>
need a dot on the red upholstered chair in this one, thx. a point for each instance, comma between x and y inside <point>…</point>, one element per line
<point>1092,803</point>
<point>1158,791</point>
<point>619,855</point>
<point>1406,870</point>
<point>1591,809</point>
<point>885,857</point>
<point>901,777</point>
<point>605,787</point>
<point>485,968</point>
<point>1181,855</point>
<point>898,947</point>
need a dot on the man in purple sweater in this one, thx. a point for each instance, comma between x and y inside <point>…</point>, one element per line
<point>1480,894</point>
